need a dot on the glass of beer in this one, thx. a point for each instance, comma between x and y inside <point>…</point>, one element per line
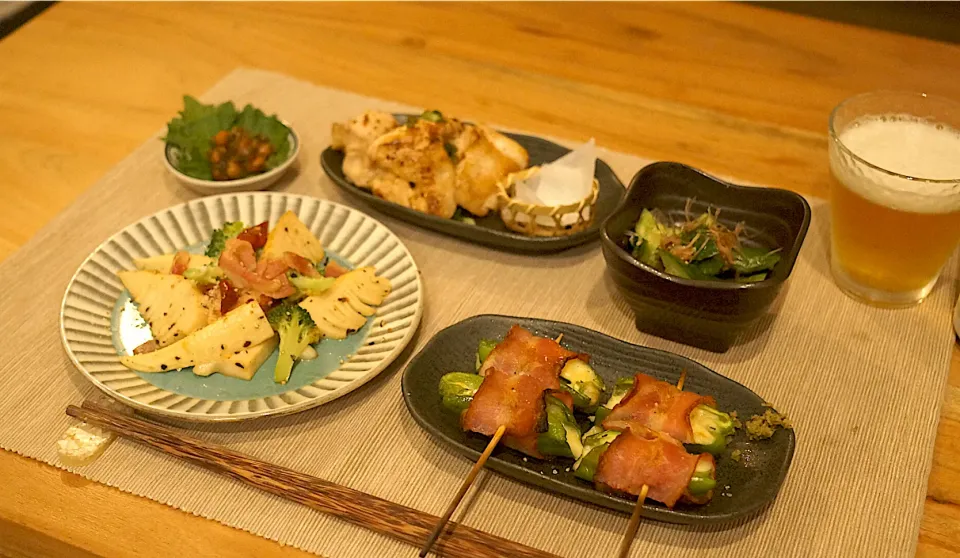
<point>895,200</point>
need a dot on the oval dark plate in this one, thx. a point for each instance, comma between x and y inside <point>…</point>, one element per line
<point>753,482</point>
<point>490,230</point>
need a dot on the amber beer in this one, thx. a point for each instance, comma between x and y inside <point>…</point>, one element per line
<point>895,214</point>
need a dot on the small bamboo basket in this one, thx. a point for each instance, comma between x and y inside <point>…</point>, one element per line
<point>543,220</point>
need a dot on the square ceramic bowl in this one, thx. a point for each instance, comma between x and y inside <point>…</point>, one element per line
<point>253,183</point>
<point>706,314</point>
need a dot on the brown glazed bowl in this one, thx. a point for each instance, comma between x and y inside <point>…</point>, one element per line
<point>706,314</point>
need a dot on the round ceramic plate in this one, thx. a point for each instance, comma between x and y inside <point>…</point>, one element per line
<point>98,322</point>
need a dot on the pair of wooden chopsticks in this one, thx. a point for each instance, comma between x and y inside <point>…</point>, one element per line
<point>370,512</point>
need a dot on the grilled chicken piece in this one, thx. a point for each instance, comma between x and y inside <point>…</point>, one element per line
<point>354,138</point>
<point>415,155</point>
<point>428,166</point>
<point>485,157</point>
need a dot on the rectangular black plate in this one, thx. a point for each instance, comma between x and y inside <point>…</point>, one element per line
<point>490,230</point>
<point>753,482</point>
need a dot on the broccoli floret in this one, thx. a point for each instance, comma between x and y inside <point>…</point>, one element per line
<point>220,237</point>
<point>310,286</point>
<point>321,267</point>
<point>297,331</point>
<point>206,275</point>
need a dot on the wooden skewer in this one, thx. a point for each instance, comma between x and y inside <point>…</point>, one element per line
<point>559,338</point>
<point>634,523</point>
<point>359,508</point>
<point>463,490</point>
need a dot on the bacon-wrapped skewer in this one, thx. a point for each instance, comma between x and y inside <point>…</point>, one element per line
<point>525,385</point>
<point>624,461</point>
<point>519,387</point>
<point>687,417</point>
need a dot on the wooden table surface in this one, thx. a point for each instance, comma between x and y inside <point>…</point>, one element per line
<point>733,89</point>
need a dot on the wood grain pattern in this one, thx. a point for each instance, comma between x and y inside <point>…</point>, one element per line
<point>636,77</point>
<point>370,512</point>
<point>76,521</point>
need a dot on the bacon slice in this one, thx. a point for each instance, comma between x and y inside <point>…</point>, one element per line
<point>181,260</point>
<point>301,265</point>
<point>640,457</point>
<point>659,406</point>
<point>513,400</point>
<point>333,269</point>
<point>239,262</point>
<point>271,268</point>
<point>522,352</point>
<point>519,371</point>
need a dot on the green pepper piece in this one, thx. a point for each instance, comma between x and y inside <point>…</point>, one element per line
<point>620,390</point>
<point>593,447</point>
<point>749,260</point>
<point>711,267</point>
<point>562,437</point>
<point>602,414</point>
<point>703,242</point>
<point>463,217</point>
<point>703,480</point>
<point>710,429</point>
<point>457,390</point>
<point>635,244</point>
<point>755,278</point>
<point>432,116</point>
<point>586,468</point>
<point>677,268</point>
<point>582,381</point>
<point>483,351</point>
<point>456,403</point>
<point>700,485</point>
<point>648,231</point>
<point>706,249</point>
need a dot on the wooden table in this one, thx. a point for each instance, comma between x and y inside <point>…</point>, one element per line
<point>733,89</point>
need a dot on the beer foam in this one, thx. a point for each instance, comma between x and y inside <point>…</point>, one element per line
<point>905,145</point>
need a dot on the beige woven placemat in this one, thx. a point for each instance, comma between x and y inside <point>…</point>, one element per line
<point>864,386</point>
